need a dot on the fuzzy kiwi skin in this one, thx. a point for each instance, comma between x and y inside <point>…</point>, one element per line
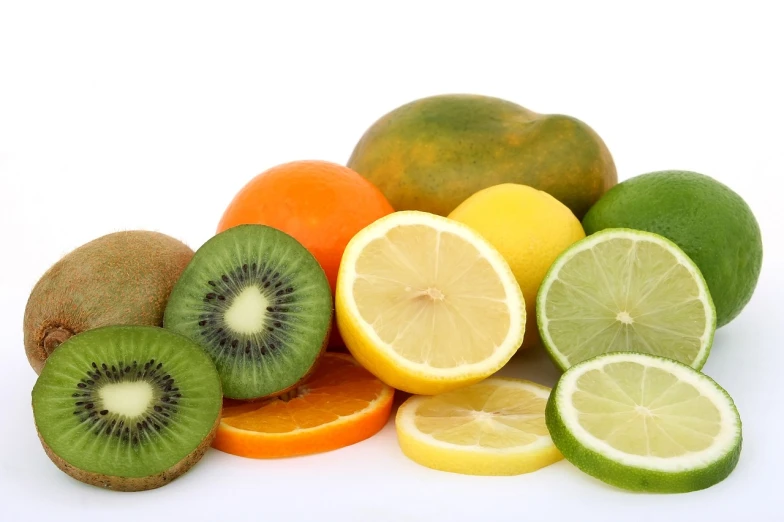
<point>116,483</point>
<point>122,278</point>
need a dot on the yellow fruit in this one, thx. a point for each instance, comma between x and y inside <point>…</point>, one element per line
<point>426,304</point>
<point>530,228</point>
<point>495,427</point>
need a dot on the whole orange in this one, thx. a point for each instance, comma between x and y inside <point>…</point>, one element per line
<point>319,203</point>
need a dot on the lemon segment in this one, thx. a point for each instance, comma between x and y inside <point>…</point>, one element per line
<point>495,427</point>
<point>426,304</point>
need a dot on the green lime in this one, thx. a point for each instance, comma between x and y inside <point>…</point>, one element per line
<point>624,290</point>
<point>645,423</point>
<point>710,222</point>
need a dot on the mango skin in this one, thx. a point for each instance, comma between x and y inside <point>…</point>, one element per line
<point>122,278</point>
<point>433,153</point>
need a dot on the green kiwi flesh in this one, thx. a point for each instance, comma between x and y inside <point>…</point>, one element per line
<point>260,305</point>
<point>127,408</point>
<point>122,278</point>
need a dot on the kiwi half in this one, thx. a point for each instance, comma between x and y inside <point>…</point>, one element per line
<point>259,303</point>
<point>127,408</point>
<point>122,278</point>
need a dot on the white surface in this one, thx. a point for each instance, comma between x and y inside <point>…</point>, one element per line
<point>152,114</point>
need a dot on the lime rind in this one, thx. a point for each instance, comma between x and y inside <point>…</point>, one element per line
<point>587,243</point>
<point>598,459</point>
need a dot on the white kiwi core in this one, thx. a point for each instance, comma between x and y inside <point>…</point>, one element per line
<point>247,312</point>
<point>126,398</point>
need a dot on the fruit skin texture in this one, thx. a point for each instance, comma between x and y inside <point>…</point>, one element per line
<point>530,228</point>
<point>711,223</point>
<point>433,153</point>
<point>321,204</point>
<point>122,278</point>
<point>625,477</point>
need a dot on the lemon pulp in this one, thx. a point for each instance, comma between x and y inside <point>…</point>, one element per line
<point>494,427</point>
<point>427,304</point>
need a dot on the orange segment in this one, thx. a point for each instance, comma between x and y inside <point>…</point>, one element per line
<point>340,404</point>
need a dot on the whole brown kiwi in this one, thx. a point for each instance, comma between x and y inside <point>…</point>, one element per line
<point>122,278</point>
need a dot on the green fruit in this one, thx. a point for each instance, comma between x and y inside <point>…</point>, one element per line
<point>433,153</point>
<point>127,408</point>
<point>712,224</point>
<point>645,423</point>
<point>123,278</point>
<point>623,290</point>
<point>260,305</point>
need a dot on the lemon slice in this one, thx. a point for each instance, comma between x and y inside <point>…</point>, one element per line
<point>645,423</point>
<point>426,304</point>
<point>495,427</point>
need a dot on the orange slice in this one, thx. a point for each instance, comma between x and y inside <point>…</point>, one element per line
<point>340,404</point>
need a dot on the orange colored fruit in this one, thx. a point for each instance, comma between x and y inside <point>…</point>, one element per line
<point>321,204</point>
<point>340,404</point>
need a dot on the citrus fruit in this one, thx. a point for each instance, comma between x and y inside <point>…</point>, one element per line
<point>427,304</point>
<point>433,153</point>
<point>645,423</point>
<point>625,290</point>
<point>321,204</point>
<point>340,404</point>
<point>494,427</point>
<point>707,219</point>
<point>530,228</point>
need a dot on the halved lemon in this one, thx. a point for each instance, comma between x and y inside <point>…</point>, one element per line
<point>426,304</point>
<point>495,427</point>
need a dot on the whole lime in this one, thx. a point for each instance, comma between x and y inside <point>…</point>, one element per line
<point>711,223</point>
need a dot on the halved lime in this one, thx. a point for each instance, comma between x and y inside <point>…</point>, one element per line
<point>644,423</point>
<point>623,290</point>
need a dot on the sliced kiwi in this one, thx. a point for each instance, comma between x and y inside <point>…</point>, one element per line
<point>260,305</point>
<point>127,407</point>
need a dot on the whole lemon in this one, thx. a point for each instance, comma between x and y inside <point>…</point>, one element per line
<point>530,228</point>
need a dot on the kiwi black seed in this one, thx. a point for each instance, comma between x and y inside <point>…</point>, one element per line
<point>260,305</point>
<point>127,407</point>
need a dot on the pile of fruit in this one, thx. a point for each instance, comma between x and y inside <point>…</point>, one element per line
<point>462,229</point>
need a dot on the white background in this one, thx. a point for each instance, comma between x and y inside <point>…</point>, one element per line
<point>152,114</point>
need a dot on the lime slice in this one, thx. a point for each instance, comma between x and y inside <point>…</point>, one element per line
<point>645,423</point>
<point>495,427</point>
<point>623,290</point>
<point>426,304</point>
